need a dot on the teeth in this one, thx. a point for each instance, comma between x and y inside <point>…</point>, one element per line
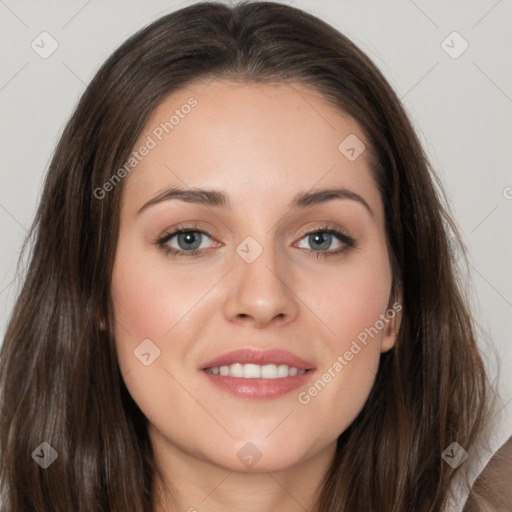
<point>255,371</point>
<point>269,371</point>
<point>250,371</point>
<point>236,370</point>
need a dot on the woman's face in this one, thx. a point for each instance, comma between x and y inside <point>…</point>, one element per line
<point>260,281</point>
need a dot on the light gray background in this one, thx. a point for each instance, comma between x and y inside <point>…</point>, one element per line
<point>461,107</point>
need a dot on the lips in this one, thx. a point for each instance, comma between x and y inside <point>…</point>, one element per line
<point>260,357</point>
<point>258,388</point>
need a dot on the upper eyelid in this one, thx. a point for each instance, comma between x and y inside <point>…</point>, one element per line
<point>188,228</point>
<point>177,231</point>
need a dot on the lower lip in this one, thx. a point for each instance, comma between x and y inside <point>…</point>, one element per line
<point>259,388</point>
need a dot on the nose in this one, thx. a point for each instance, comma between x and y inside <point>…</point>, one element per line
<point>261,292</point>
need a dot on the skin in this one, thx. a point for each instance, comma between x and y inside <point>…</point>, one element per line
<point>260,144</point>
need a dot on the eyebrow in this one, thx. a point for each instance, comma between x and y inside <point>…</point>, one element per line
<point>217,199</point>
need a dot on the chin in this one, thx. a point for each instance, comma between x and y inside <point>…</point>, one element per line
<point>258,455</point>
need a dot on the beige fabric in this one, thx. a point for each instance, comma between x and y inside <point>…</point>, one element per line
<point>493,438</point>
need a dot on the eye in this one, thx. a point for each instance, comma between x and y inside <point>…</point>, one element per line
<point>188,239</point>
<point>321,239</point>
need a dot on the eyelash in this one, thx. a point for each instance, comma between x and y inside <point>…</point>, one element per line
<point>347,240</point>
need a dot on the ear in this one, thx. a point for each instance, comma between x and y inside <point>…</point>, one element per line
<point>393,318</point>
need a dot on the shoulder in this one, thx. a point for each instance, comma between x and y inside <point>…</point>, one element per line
<point>492,490</point>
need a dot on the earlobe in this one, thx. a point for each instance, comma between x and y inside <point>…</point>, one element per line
<point>388,340</point>
<point>392,327</point>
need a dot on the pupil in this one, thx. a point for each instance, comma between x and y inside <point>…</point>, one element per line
<point>188,239</point>
<point>322,238</point>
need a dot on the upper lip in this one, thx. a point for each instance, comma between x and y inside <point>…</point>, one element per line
<point>260,357</point>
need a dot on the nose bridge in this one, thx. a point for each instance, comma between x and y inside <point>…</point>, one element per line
<point>259,287</point>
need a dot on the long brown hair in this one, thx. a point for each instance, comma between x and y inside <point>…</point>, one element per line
<point>60,380</point>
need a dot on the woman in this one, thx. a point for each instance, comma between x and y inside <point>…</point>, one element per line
<point>312,352</point>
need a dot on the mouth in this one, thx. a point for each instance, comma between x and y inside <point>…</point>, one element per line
<point>258,374</point>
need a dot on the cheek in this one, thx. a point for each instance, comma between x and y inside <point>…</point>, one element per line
<point>133,304</point>
<point>351,307</point>
<point>349,300</point>
<point>146,304</point>
<point>148,298</point>
<point>157,301</point>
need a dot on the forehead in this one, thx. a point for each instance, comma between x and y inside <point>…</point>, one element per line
<point>258,141</point>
